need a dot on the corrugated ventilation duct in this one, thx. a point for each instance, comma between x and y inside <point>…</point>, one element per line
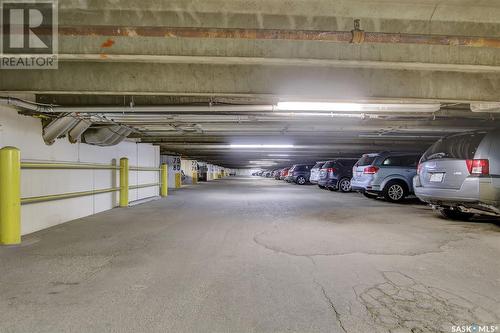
<point>105,136</point>
<point>76,132</point>
<point>57,128</point>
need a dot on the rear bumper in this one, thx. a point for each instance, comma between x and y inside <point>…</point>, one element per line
<point>477,194</point>
<point>328,182</point>
<point>364,186</point>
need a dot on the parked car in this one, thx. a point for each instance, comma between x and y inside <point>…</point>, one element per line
<point>268,173</point>
<point>336,174</point>
<point>299,174</point>
<point>284,173</point>
<point>277,174</point>
<point>460,175</point>
<point>385,174</point>
<point>313,179</point>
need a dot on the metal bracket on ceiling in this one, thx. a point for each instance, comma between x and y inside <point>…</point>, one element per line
<point>358,35</point>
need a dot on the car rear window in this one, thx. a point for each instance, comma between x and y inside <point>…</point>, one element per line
<point>318,165</point>
<point>348,163</point>
<point>366,159</point>
<point>328,164</point>
<point>461,147</point>
<point>404,161</point>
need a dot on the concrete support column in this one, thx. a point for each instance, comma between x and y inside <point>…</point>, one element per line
<point>164,180</point>
<point>10,196</point>
<point>124,182</point>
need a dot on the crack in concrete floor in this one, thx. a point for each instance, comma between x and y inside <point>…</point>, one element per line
<point>402,302</point>
<point>332,305</point>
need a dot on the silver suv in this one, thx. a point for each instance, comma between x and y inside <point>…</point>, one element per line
<point>385,174</point>
<point>460,175</point>
<point>315,172</point>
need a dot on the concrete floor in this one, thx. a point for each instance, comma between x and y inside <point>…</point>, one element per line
<point>254,255</point>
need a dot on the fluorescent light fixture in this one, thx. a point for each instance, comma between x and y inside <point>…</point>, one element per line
<point>356,107</point>
<point>485,107</point>
<point>262,163</point>
<point>278,155</point>
<point>261,146</point>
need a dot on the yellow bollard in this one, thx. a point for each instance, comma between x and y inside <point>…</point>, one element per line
<point>178,180</point>
<point>124,182</point>
<point>195,177</point>
<point>10,196</point>
<point>164,180</point>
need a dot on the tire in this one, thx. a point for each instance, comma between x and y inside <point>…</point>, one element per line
<point>370,196</point>
<point>321,187</point>
<point>301,180</point>
<point>395,191</point>
<point>454,214</point>
<point>344,185</point>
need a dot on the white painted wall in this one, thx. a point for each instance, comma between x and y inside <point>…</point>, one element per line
<point>174,167</point>
<point>25,133</point>
<point>188,166</point>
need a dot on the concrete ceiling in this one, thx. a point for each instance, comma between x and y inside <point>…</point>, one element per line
<point>115,53</point>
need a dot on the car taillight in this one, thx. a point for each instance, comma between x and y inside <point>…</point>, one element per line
<point>331,170</point>
<point>478,167</point>
<point>370,170</point>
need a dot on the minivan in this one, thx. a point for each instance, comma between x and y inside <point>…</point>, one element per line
<point>336,174</point>
<point>385,174</point>
<point>313,179</point>
<point>459,175</point>
<point>299,173</point>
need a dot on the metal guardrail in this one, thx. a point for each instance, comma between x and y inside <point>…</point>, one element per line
<point>81,166</point>
<point>10,187</point>
<point>52,197</point>
<point>63,166</point>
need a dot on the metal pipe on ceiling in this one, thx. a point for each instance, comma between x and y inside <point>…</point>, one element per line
<point>354,36</point>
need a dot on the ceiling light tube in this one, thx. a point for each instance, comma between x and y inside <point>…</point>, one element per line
<point>260,146</point>
<point>356,107</point>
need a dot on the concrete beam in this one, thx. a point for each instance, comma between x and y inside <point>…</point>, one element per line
<point>430,16</point>
<point>182,79</point>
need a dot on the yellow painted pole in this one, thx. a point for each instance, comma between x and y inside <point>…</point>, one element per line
<point>178,180</point>
<point>195,177</point>
<point>164,180</point>
<point>10,196</point>
<point>124,182</point>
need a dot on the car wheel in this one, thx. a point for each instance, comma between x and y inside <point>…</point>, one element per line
<point>321,187</point>
<point>395,191</point>
<point>454,214</point>
<point>370,196</point>
<point>345,185</point>
<point>301,180</point>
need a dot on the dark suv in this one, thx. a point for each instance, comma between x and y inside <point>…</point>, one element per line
<point>336,174</point>
<point>299,173</point>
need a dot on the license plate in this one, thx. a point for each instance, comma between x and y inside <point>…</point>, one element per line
<point>437,177</point>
